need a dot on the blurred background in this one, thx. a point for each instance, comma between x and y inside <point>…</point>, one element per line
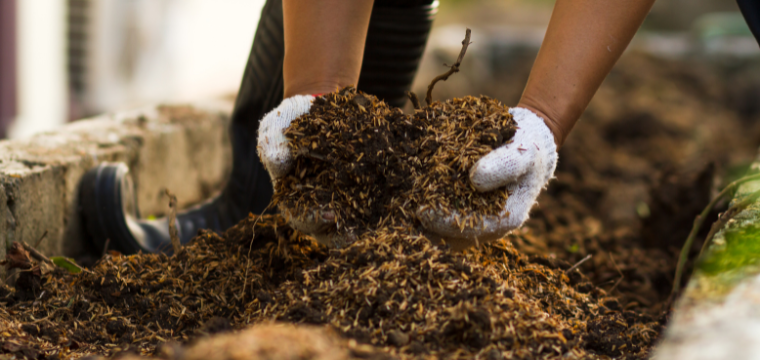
<point>63,60</point>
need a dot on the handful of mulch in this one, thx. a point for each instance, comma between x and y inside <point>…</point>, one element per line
<point>374,166</point>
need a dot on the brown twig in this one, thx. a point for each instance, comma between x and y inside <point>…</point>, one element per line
<point>698,221</point>
<point>173,232</point>
<point>37,244</point>
<point>36,254</point>
<point>579,263</point>
<point>724,218</point>
<point>414,99</point>
<point>453,69</point>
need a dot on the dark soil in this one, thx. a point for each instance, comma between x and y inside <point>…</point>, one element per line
<point>630,200</point>
<point>395,293</point>
<point>375,166</point>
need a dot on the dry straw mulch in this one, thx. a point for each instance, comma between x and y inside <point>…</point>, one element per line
<point>395,292</point>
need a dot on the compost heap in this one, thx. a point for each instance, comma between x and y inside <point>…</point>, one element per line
<point>397,295</point>
<point>374,166</point>
<point>392,290</point>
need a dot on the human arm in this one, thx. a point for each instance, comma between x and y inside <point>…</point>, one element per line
<point>324,44</point>
<point>583,41</point>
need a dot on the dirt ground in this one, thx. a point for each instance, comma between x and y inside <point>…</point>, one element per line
<point>658,139</point>
<point>654,145</point>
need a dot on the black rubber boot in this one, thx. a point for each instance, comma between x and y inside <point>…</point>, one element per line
<point>396,39</point>
<point>751,11</point>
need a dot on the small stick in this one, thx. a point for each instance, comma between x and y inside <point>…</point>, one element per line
<point>717,225</point>
<point>453,69</point>
<point>579,263</point>
<point>173,232</point>
<point>725,217</point>
<point>684,255</point>
<point>36,254</point>
<point>37,244</point>
<point>414,99</point>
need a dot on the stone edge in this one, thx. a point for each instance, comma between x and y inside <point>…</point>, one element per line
<point>184,148</point>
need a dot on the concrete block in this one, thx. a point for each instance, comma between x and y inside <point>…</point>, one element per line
<point>209,152</point>
<point>71,153</point>
<point>35,204</point>
<point>182,148</point>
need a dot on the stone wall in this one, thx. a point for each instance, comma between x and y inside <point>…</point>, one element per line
<point>180,147</point>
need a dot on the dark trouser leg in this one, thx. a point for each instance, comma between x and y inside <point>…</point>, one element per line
<point>260,91</point>
<point>398,33</point>
<point>751,11</point>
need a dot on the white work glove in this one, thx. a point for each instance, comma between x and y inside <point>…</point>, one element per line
<point>273,145</point>
<point>524,166</point>
<point>275,154</point>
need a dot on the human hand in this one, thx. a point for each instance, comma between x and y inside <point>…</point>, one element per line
<point>277,159</point>
<point>272,143</point>
<point>522,167</point>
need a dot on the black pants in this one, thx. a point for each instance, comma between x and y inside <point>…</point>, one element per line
<point>396,39</point>
<point>751,11</point>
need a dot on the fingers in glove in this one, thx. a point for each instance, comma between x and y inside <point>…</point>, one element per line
<point>455,229</point>
<point>503,166</point>
<point>532,150</point>
<point>272,143</point>
<point>521,199</point>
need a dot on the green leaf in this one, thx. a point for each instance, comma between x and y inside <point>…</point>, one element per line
<point>67,264</point>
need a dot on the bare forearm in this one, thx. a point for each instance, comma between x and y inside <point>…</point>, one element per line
<point>584,40</point>
<point>324,44</point>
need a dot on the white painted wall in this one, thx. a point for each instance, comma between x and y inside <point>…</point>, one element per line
<point>140,52</point>
<point>148,51</point>
<point>42,95</point>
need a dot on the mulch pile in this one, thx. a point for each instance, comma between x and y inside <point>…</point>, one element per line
<point>623,181</point>
<point>393,291</point>
<point>374,166</point>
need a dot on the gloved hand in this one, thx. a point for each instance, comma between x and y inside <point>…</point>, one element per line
<point>524,167</point>
<point>272,143</point>
<point>277,159</point>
